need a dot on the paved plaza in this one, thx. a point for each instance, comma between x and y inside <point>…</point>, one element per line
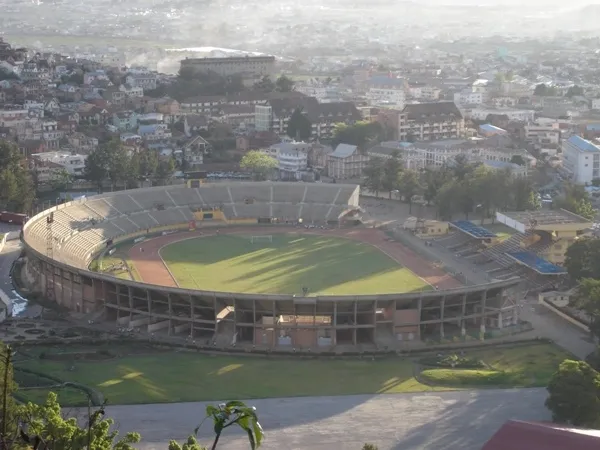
<point>427,421</point>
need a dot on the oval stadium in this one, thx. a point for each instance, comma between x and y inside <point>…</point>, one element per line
<point>259,265</point>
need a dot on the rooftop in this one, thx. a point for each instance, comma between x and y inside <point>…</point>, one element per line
<point>518,435</point>
<point>546,217</point>
<point>582,144</point>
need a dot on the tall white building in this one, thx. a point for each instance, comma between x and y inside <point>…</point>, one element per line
<point>263,116</point>
<point>292,158</point>
<point>581,159</point>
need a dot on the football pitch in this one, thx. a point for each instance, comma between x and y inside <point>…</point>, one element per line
<point>325,265</point>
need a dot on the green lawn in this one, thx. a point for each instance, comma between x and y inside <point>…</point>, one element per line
<point>148,376</point>
<point>523,366</point>
<point>326,265</point>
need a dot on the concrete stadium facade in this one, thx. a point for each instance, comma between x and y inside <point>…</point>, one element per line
<point>82,229</point>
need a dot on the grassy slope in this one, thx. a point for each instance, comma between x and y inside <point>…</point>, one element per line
<point>525,366</point>
<point>172,377</point>
<point>325,265</point>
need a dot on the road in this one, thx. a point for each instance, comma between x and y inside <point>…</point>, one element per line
<point>462,420</point>
<point>8,255</point>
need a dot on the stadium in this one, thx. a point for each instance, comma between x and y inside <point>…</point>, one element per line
<point>188,242</point>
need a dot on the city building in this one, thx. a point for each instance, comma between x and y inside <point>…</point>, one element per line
<point>248,66</point>
<point>292,158</point>
<point>48,164</point>
<point>432,121</point>
<point>420,155</point>
<point>346,161</point>
<point>387,91</point>
<point>275,115</point>
<point>469,96</point>
<point>581,159</point>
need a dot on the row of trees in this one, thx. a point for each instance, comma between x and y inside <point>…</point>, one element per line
<point>460,188</point>
<point>16,184</point>
<point>190,83</point>
<point>113,162</point>
<point>281,84</point>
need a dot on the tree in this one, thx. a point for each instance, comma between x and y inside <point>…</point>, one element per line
<point>299,126</point>
<point>264,84</point>
<point>9,411</point>
<point>46,424</point>
<point>361,134</point>
<point>588,300</point>
<point>110,161</point>
<point>284,84</point>
<point>391,171</point>
<point>534,202</point>
<point>433,180</point>
<point>61,180</point>
<point>582,259</point>
<point>446,200</point>
<point>259,163</point>
<point>234,413</point>
<point>573,91</point>
<point>576,200</point>
<point>409,186</point>
<point>16,184</point>
<point>7,75</point>
<point>573,394</point>
<point>543,90</point>
<point>164,170</point>
<point>518,159</point>
<point>373,173</point>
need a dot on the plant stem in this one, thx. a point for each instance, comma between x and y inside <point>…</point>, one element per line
<point>216,441</point>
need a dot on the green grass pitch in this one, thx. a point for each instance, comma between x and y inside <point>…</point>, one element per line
<point>325,265</point>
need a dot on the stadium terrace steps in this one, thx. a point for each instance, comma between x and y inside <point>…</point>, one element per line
<point>81,226</point>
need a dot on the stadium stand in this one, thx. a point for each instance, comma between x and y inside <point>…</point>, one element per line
<point>536,263</point>
<point>472,230</point>
<point>82,227</point>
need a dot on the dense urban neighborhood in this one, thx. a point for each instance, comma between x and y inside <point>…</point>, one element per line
<point>407,222</point>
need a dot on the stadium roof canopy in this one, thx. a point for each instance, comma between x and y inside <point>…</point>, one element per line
<point>536,263</point>
<point>472,230</point>
<point>544,220</point>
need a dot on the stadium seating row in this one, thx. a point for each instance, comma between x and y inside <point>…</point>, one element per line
<point>80,228</point>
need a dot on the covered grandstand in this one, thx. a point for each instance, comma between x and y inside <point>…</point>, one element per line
<point>81,229</point>
<point>535,251</point>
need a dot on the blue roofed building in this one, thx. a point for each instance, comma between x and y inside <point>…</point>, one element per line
<point>581,159</point>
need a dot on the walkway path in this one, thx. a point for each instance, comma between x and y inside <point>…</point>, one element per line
<point>462,420</point>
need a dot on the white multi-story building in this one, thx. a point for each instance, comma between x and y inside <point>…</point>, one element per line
<point>469,96</point>
<point>47,164</point>
<point>596,103</point>
<point>520,115</point>
<point>292,158</point>
<point>387,91</point>
<point>542,135</point>
<point>420,155</point>
<point>324,94</point>
<point>581,159</point>
<point>142,80</point>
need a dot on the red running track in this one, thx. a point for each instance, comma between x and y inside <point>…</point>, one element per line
<point>149,265</point>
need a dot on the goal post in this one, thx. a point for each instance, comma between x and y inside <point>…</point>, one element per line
<point>262,238</point>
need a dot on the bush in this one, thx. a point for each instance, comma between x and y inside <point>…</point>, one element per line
<point>467,377</point>
<point>454,361</point>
